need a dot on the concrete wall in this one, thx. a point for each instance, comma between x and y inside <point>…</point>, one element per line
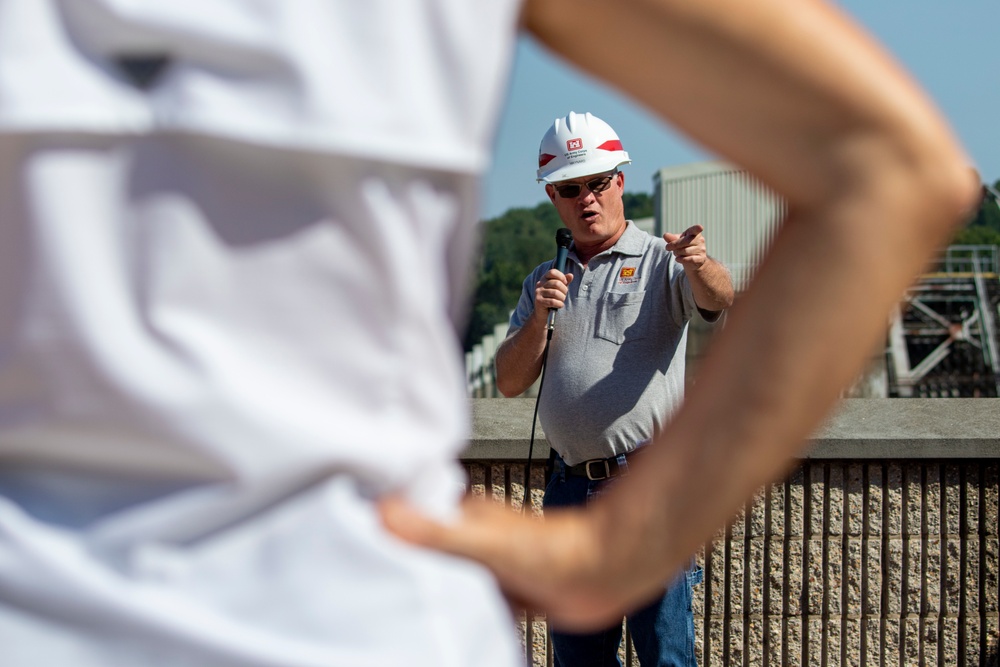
<point>879,548</point>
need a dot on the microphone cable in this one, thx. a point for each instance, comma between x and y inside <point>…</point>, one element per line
<point>534,420</point>
<point>564,237</point>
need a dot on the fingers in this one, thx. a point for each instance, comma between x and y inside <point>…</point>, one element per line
<point>551,290</point>
<point>689,236</point>
<point>556,277</point>
<point>412,526</point>
<point>694,230</point>
<point>478,532</point>
<point>556,565</point>
<point>487,533</point>
<point>688,248</point>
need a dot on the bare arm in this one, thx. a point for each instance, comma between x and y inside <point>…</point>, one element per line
<point>712,285</point>
<point>798,95</point>
<point>519,357</point>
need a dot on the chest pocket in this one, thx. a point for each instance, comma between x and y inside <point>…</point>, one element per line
<point>621,317</point>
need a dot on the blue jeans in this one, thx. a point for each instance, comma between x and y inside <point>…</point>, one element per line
<point>662,632</point>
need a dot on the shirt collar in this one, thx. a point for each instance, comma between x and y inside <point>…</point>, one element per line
<point>632,241</point>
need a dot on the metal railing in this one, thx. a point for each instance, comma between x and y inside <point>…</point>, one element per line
<point>969,259</point>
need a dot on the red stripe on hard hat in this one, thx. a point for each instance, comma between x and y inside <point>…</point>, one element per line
<point>544,159</point>
<point>611,145</point>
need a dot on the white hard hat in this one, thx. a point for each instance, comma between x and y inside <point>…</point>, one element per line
<point>579,145</point>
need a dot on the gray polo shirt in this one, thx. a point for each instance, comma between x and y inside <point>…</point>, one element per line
<point>616,362</point>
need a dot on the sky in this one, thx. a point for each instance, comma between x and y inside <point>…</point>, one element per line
<point>951,47</point>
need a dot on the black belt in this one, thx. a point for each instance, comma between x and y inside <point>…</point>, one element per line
<point>597,469</point>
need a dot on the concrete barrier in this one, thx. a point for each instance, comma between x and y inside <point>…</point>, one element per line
<point>880,548</point>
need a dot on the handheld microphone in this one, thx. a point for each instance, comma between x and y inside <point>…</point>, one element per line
<point>563,238</point>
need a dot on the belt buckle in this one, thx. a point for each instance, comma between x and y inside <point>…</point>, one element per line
<point>607,470</point>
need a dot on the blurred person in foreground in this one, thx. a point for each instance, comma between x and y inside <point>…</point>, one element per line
<point>619,312</point>
<point>875,183</point>
<point>234,245</point>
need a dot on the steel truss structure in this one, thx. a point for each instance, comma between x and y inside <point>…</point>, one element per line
<point>943,341</point>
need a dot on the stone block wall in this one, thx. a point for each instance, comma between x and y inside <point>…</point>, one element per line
<point>886,562</point>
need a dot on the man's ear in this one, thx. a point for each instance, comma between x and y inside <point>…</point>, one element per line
<point>621,179</point>
<point>551,192</point>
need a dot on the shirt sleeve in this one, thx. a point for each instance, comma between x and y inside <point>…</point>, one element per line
<point>526,303</point>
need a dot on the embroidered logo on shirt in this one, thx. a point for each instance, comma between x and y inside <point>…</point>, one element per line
<point>627,276</point>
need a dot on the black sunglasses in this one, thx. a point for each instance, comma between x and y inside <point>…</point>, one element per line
<point>595,185</point>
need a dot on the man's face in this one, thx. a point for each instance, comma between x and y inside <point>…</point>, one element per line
<point>593,217</point>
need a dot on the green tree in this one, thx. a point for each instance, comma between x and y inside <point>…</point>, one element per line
<point>637,205</point>
<point>512,245</point>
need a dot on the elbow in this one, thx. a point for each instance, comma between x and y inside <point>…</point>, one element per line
<point>719,304</point>
<point>507,389</point>
<point>914,179</point>
<point>941,182</point>
<point>725,293</point>
<point>966,195</point>
<point>950,199</point>
<point>508,382</point>
<point>948,189</point>
<point>728,297</point>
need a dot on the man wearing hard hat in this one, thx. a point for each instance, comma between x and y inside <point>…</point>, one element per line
<point>616,357</point>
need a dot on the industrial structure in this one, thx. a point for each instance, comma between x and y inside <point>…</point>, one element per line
<point>943,340</point>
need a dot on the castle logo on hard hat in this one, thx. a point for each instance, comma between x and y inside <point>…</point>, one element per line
<point>575,152</point>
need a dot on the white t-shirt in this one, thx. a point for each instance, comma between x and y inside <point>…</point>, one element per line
<point>231,293</point>
<point>409,81</point>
